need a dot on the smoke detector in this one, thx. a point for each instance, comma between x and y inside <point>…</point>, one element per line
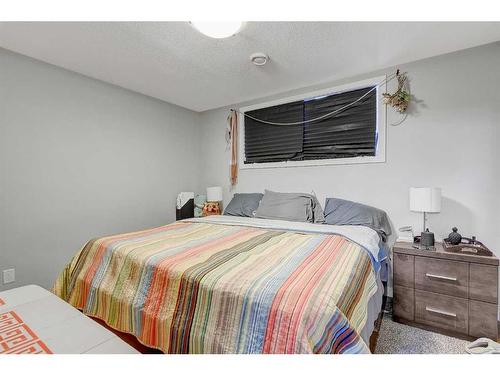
<point>259,58</point>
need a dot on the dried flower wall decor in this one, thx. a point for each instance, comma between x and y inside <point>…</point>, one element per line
<point>401,98</point>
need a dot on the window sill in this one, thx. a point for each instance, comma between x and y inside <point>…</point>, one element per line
<point>315,163</point>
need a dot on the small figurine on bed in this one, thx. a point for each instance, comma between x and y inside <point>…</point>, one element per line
<point>211,208</point>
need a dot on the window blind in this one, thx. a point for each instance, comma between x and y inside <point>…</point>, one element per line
<point>349,133</point>
<point>268,143</point>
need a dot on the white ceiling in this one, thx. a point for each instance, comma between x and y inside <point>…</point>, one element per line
<point>173,62</point>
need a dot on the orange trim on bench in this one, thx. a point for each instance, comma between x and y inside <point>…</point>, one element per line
<point>17,338</point>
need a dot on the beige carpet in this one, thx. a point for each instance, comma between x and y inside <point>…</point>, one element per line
<point>395,338</point>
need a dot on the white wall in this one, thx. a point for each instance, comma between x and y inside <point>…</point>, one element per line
<point>79,159</point>
<point>450,140</point>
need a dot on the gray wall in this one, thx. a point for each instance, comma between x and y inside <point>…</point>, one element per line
<point>80,158</point>
<point>449,140</point>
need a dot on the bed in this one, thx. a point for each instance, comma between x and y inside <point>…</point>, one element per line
<point>225,284</point>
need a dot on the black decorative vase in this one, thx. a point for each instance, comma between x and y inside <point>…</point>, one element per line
<point>427,239</point>
<point>454,237</point>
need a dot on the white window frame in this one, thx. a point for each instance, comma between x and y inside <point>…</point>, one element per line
<point>380,147</point>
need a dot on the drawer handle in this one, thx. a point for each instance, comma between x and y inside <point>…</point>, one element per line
<point>430,309</point>
<point>449,278</point>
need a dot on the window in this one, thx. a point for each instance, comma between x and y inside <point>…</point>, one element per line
<point>349,136</point>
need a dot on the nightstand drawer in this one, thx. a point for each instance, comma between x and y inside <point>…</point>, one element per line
<point>442,276</point>
<point>403,269</point>
<point>483,284</point>
<point>449,313</point>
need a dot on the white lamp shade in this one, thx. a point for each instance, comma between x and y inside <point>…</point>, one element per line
<point>214,194</point>
<point>425,199</point>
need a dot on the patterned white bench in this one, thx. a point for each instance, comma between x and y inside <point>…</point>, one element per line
<point>35,321</point>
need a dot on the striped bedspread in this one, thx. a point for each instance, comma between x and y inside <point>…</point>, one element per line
<point>202,287</point>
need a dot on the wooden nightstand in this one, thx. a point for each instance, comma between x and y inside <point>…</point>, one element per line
<point>452,293</point>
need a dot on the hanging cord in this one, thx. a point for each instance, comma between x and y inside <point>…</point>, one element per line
<point>403,118</point>
<point>386,80</point>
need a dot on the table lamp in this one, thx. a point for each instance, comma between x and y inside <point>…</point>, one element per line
<point>425,199</point>
<point>214,199</point>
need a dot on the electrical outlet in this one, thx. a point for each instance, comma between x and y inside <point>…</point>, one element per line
<point>9,276</point>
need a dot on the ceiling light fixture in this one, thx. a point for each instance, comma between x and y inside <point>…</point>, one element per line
<point>218,30</point>
<point>259,58</point>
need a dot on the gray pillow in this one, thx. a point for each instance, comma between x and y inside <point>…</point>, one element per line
<point>243,204</point>
<point>290,206</point>
<point>344,212</point>
<point>319,217</point>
